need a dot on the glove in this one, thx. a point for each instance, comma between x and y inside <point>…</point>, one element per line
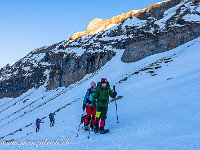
<point>93,104</point>
<point>83,107</point>
<point>114,93</point>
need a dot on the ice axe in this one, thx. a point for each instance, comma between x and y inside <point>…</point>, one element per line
<point>116,104</point>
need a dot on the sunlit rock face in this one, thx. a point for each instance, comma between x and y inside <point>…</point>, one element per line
<point>98,25</point>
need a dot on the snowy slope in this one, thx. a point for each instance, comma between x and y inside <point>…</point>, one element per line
<point>159,108</point>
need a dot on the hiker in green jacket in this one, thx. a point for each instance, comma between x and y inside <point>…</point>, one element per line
<point>101,99</point>
<point>52,119</point>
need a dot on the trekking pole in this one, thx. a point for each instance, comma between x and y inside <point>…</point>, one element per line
<point>116,105</point>
<point>89,134</point>
<point>43,124</point>
<point>79,125</point>
<point>89,131</point>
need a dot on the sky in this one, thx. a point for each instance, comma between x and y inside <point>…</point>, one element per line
<point>29,24</point>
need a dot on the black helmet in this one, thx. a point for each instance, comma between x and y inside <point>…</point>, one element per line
<point>104,80</point>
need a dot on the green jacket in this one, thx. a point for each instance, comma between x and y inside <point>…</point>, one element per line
<point>102,97</point>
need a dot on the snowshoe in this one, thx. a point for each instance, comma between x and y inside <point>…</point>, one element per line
<point>83,118</point>
<point>86,128</point>
<point>92,128</point>
<point>103,131</point>
<point>96,129</point>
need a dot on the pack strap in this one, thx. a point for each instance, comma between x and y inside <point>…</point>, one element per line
<point>89,93</point>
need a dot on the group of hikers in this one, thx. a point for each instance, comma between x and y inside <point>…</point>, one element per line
<point>96,104</point>
<point>38,121</point>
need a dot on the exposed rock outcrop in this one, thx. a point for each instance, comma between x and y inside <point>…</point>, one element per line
<point>160,43</point>
<point>72,69</point>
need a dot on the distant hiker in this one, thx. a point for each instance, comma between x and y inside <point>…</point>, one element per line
<point>102,94</point>
<point>90,110</point>
<point>38,121</point>
<point>52,119</point>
